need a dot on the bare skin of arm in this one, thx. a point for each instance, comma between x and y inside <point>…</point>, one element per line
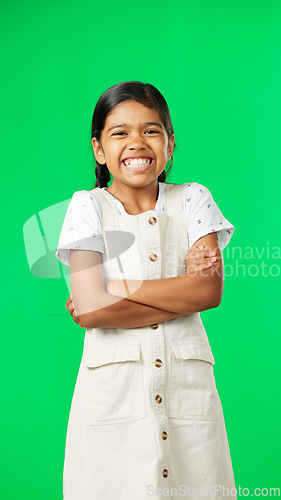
<point>93,307</point>
<point>190,293</point>
<point>126,314</point>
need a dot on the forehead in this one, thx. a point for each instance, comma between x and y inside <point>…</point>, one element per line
<point>131,112</point>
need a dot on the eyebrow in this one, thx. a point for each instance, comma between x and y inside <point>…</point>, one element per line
<point>125,125</point>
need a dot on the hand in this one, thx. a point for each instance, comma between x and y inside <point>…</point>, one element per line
<point>71,308</point>
<point>199,258</point>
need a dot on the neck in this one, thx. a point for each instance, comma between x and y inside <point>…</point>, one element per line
<point>135,199</point>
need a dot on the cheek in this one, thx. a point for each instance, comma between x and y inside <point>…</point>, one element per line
<point>112,156</point>
<point>162,147</point>
<point>115,152</point>
<point>162,154</point>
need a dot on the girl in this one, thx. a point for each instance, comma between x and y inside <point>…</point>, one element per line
<point>145,259</point>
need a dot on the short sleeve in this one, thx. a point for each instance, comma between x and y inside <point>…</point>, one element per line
<point>204,215</point>
<point>81,227</point>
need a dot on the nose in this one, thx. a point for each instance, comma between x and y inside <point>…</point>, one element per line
<point>136,142</point>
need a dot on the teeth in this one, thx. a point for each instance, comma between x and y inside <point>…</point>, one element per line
<point>137,162</point>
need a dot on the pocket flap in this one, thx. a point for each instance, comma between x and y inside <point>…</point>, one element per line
<point>112,353</point>
<point>193,351</point>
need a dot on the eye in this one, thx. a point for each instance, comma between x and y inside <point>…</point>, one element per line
<point>150,130</point>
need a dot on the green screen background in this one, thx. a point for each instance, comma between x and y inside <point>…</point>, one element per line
<point>218,65</point>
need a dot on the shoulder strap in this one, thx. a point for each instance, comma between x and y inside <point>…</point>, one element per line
<point>107,205</point>
<point>173,197</point>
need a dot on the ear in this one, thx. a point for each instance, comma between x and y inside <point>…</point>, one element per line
<point>170,147</point>
<point>98,151</point>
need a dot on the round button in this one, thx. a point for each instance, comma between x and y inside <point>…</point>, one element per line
<point>158,363</point>
<point>158,399</point>
<point>154,327</point>
<point>165,473</point>
<point>152,220</point>
<point>153,257</point>
<point>164,435</point>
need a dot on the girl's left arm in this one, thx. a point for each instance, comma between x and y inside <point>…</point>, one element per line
<point>189,293</point>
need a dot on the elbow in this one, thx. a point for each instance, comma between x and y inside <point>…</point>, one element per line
<point>213,292</point>
<point>215,302</point>
<point>209,300</point>
<point>214,298</point>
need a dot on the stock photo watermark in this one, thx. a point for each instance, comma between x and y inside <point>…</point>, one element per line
<point>184,490</point>
<point>251,261</point>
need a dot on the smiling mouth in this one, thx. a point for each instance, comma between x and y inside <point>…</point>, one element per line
<point>142,160</point>
<point>138,164</point>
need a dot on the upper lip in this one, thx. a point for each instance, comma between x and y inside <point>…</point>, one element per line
<point>135,157</point>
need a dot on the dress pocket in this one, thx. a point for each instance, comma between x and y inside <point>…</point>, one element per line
<point>115,384</point>
<point>193,394</point>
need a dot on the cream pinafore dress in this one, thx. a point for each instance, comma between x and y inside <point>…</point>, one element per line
<point>146,418</point>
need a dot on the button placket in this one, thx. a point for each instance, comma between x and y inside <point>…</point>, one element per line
<point>153,235</point>
<point>153,247</point>
<point>153,265</point>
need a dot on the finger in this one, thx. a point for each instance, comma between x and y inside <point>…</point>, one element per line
<point>209,253</point>
<point>207,265</point>
<point>202,248</point>
<point>210,257</point>
<point>201,263</point>
<point>196,263</point>
<point>206,260</point>
<point>196,254</point>
<point>76,319</point>
<point>69,300</point>
<point>199,248</point>
<point>71,308</point>
<point>200,267</point>
<point>209,262</point>
<point>203,254</point>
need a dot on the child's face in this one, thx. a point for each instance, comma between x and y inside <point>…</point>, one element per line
<point>138,132</point>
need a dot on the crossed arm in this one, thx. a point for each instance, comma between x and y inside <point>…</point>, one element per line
<point>134,303</point>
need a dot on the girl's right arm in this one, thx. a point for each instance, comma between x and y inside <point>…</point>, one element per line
<point>122,315</point>
<point>95,308</point>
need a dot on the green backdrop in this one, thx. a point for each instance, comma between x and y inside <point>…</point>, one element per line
<point>218,65</point>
